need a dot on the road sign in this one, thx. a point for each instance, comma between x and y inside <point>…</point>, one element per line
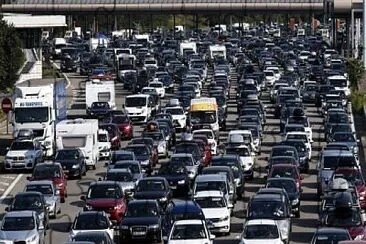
<point>6,105</point>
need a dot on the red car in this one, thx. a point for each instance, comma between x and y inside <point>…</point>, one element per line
<point>286,170</point>
<point>354,176</point>
<point>51,171</point>
<point>114,135</point>
<point>124,124</point>
<point>106,196</point>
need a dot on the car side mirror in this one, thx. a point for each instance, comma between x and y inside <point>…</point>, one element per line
<point>358,140</point>
<point>165,238</point>
<point>143,171</point>
<point>82,198</point>
<point>106,164</point>
<point>41,227</point>
<point>7,209</point>
<point>29,177</point>
<point>7,148</point>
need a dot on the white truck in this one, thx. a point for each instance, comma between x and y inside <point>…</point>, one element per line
<point>94,43</point>
<point>39,108</point>
<point>187,46</point>
<point>82,134</point>
<point>100,91</point>
<point>217,50</point>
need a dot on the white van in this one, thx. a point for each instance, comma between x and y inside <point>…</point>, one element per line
<point>100,91</point>
<point>340,83</point>
<point>104,144</point>
<point>139,107</point>
<point>82,134</point>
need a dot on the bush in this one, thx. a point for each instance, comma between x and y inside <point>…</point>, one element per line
<point>355,71</point>
<point>358,99</point>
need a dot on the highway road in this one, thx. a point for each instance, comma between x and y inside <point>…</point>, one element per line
<point>303,228</point>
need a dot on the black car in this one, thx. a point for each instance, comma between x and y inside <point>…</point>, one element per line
<point>156,188</point>
<point>32,201</point>
<point>72,161</point>
<point>143,155</point>
<point>177,176</point>
<point>302,151</point>
<point>68,63</point>
<point>99,110</point>
<point>142,221</point>
<point>330,235</point>
<point>292,190</point>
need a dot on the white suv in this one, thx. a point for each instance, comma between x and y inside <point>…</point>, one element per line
<point>23,154</point>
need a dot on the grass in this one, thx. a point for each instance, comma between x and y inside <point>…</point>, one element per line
<point>49,72</point>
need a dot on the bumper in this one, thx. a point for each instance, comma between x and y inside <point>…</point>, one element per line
<point>90,162</point>
<point>138,118</point>
<point>105,154</point>
<point>149,235</point>
<point>220,227</point>
<point>72,172</point>
<point>10,165</point>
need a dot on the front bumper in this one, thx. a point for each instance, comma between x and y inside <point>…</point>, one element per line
<point>19,164</point>
<point>140,233</point>
<point>220,226</point>
<point>105,154</point>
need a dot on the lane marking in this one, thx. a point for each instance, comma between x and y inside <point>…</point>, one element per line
<point>10,188</point>
<point>7,177</point>
<point>4,183</point>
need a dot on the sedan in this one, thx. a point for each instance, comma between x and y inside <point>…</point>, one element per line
<point>72,161</point>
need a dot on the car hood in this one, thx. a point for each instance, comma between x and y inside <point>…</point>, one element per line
<point>215,213</point>
<point>16,235</point>
<point>140,221</point>
<point>20,153</point>
<point>201,241</point>
<point>100,110</point>
<point>149,194</point>
<point>67,162</point>
<point>266,241</point>
<point>102,202</point>
<point>284,227</point>
<point>175,177</point>
<point>246,160</point>
<point>126,185</point>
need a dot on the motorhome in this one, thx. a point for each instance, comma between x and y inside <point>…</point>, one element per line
<point>204,114</point>
<point>100,91</point>
<point>187,46</point>
<point>40,108</point>
<point>82,134</point>
<point>217,50</point>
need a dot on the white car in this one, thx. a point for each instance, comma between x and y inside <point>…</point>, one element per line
<point>190,164</point>
<point>261,231</point>
<point>179,116</point>
<point>104,144</point>
<point>216,210</point>
<point>247,158</point>
<point>245,137</point>
<point>91,221</point>
<point>210,138</point>
<point>159,87</point>
<point>23,154</point>
<point>192,231</point>
<point>269,78</point>
<point>21,227</point>
<point>299,135</point>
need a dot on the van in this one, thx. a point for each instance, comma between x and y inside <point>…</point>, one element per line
<point>139,107</point>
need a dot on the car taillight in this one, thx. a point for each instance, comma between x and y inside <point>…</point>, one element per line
<point>114,138</point>
<point>128,127</point>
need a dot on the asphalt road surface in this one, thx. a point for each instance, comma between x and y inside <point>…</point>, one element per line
<point>303,228</point>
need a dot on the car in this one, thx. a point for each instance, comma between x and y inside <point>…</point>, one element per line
<point>134,166</point>
<point>72,161</point>
<point>96,237</point>
<point>246,158</point>
<point>292,190</point>
<point>142,221</point>
<point>124,177</point>
<point>99,110</point>
<point>216,210</point>
<point>286,170</point>
<point>104,144</point>
<point>23,154</point>
<point>115,135</point>
<point>330,234</point>
<point>159,87</point>
<point>105,196</point>
<point>261,231</point>
<point>177,176</point>
<point>298,135</point>
<point>192,231</point>
<point>190,147</point>
<point>155,188</point>
<point>91,221</point>
<point>51,171</point>
<point>150,143</point>
<point>347,138</point>
<point>188,161</point>
<point>32,201</point>
<point>22,227</point>
<point>180,210</point>
<point>159,142</point>
<point>120,155</point>
<point>143,155</point>
<point>210,137</point>
<point>50,194</point>
<point>179,116</point>
<point>124,124</point>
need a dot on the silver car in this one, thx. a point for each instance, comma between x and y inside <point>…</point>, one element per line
<point>50,194</point>
<point>188,160</point>
<point>123,177</point>
<point>21,227</point>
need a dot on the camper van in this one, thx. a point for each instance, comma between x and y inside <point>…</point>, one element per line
<point>100,91</point>
<point>82,134</point>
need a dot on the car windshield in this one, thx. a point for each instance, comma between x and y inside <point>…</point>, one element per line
<point>46,172</point>
<point>241,151</point>
<point>187,148</point>
<point>208,134</point>
<point>18,224</point>
<point>288,185</point>
<point>44,189</point>
<point>103,191</point>
<point>135,101</point>
<point>211,186</point>
<point>122,156</point>
<point>151,185</point>
<point>91,222</point>
<point>187,161</point>
<point>343,218</point>
<point>332,162</point>
<point>267,209</point>
<point>203,117</point>
<point>330,238</point>
<point>120,119</point>
<point>99,105</point>
<point>155,136</point>
<point>172,169</point>
<point>174,111</point>
<point>142,210</point>
<point>135,169</point>
<point>282,152</point>
<point>27,203</point>
<point>22,145</point>
<point>211,202</point>
<point>119,176</point>
<point>67,155</point>
<point>343,137</point>
<point>102,138</point>
<point>338,118</point>
<point>189,232</point>
<point>310,88</point>
<point>297,137</point>
<point>139,151</point>
<point>260,232</point>
<point>232,164</point>
<point>282,160</point>
<point>338,82</point>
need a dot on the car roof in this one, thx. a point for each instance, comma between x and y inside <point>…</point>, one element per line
<point>337,152</point>
<point>142,201</point>
<point>123,151</point>
<point>23,213</point>
<point>331,230</point>
<point>104,182</point>
<point>40,182</point>
<point>127,162</point>
<point>48,164</point>
<point>266,197</point>
<point>181,155</point>
<point>188,222</point>
<point>185,206</point>
<point>90,233</point>
<point>260,222</point>
<point>113,170</point>
<point>282,179</point>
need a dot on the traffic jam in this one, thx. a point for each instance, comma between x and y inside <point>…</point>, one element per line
<point>202,120</point>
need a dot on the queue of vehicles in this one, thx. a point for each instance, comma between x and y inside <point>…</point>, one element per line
<point>138,197</point>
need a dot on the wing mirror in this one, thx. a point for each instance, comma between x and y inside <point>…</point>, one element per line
<point>29,178</point>
<point>82,198</point>
<point>165,238</point>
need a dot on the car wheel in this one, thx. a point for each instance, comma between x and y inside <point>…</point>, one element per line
<point>80,175</point>
<point>94,167</point>
<point>62,200</point>
<point>84,171</point>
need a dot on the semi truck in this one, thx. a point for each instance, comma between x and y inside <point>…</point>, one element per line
<point>39,108</point>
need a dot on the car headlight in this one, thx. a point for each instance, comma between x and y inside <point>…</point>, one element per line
<point>154,227</point>
<point>88,207</point>
<point>224,218</point>
<point>76,166</point>
<point>33,238</point>
<point>124,227</point>
<point>355,150</point>
<point>163,199</point>
<point>295,201</point>
<point>181,182</point>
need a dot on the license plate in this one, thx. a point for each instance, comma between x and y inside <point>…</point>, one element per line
<point>139,233</point>
<point>173,187</point>
<point>66,171</point>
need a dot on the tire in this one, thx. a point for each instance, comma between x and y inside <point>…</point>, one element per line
<point>84,171</point>
<point>80,175</point>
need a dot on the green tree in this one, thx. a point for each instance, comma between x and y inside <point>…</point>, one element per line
<point>355,71</point>
<point>11,56</point>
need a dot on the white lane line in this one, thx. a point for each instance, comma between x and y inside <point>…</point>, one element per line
<point>10,188</point>
<point>65,76</point>
<point>7,177</point>
<point>4,183</point>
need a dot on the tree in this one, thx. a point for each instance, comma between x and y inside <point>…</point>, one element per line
<point>355,71</point>
<point>11,56</point>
